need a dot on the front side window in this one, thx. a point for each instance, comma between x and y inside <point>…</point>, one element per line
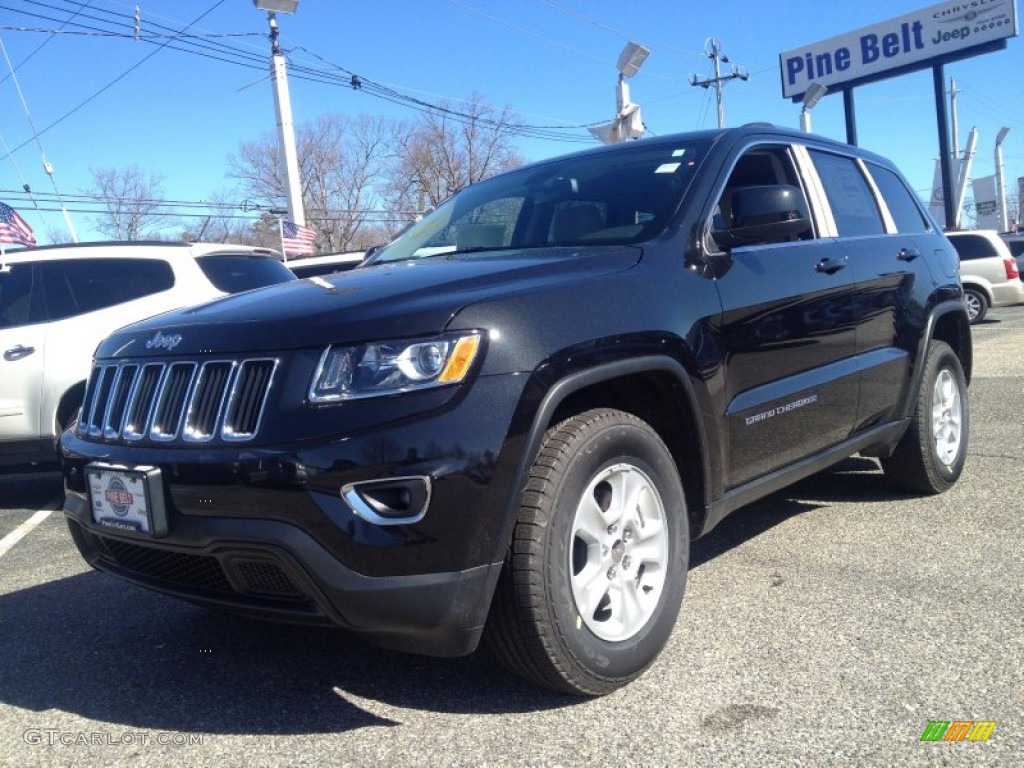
<point>853,204</point>
<point>620,196</point>
<point>76,286</point>
<point>759,166</point>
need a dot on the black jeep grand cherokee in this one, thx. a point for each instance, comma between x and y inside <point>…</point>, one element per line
<point>511,423</point>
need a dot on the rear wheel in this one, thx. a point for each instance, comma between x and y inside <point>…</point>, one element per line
<point>597,568</point>
<point>977,305</point>
<point>931,455</point>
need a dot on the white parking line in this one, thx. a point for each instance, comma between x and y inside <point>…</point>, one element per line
<point>23,530</point>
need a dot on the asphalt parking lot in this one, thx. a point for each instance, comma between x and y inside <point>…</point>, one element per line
<point>825,625</point>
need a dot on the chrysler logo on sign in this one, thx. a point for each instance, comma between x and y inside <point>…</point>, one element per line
<point>168,342</point>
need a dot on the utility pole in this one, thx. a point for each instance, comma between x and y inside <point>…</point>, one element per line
<point>283,105</point>
<point>719,80</point>
<point>1004,222</point>
<point>954,119</point>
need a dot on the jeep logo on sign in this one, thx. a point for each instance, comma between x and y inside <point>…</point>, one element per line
<point>167,342</point>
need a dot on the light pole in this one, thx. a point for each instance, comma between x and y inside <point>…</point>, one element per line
<point>283,106</point>
<point>627,123</point>
<point>811,97</point>
<point>1004,222</point>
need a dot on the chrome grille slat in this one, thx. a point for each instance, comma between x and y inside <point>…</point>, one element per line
<point>141,402</point>
<point>206,400</point>
<point>248,397</point>
<point>171,401</point>
<point>124,382</point>
<point>180,401</point>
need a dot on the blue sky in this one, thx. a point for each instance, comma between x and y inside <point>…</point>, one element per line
<point>552,61</point>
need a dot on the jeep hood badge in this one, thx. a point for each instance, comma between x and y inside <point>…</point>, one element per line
<point>168,342</point>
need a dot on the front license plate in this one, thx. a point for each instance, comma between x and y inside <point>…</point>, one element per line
<point>128,499</point>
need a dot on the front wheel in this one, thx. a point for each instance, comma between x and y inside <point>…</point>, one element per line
<point>931,455</point>
<point>597,567</point>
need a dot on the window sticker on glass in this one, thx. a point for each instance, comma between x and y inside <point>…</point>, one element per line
<point>667,168</point>
<point>678,152</point>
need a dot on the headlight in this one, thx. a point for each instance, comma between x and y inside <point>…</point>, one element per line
<point>388,367</point>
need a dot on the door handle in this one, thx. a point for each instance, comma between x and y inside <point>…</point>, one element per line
<point>908,254</point>
<point>18,352</point>
<point>831,266</point>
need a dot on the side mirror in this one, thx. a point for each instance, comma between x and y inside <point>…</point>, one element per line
<point>764,214</point>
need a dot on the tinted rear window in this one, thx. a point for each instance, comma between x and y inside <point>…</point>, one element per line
<point>972,247</point>
<point>234,273</point>
<point>902,204</point>
<point>76,286</point>
<point>853,204</point>
<point>1016,247</point>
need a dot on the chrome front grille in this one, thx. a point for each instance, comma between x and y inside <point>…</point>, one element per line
<point>182,400</point>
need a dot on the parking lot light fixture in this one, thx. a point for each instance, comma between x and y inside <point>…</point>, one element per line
<point>811,97</point>
<point>277,6</point>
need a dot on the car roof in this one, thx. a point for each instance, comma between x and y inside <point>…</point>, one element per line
<point>112,249</point>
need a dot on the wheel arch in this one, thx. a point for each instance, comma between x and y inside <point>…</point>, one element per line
<point>69,402</point>
<point>656,389</point>
<point>981,286</point>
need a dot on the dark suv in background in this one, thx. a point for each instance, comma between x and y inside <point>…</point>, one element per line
<point>511,422</point>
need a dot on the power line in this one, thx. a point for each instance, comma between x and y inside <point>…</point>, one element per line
<point>117,79</point>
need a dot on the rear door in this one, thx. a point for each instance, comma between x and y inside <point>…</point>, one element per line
<point>22,351</point>
<point>789,338</point>
<point>887,238</point>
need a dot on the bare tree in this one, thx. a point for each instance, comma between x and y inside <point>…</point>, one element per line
<point>227,223</point>
<point>130,200</point>
<point>447,149</point>
<point>340,159</point>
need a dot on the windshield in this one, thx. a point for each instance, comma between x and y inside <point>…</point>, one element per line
<point>614,197</point>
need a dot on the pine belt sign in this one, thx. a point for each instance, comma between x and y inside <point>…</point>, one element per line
<point>945,31</point>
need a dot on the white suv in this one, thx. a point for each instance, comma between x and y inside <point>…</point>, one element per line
<point>58,302</point>
<point>988,272</point>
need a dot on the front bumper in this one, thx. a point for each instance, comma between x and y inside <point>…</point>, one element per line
<point>267,569</point>
<point>266,531</point>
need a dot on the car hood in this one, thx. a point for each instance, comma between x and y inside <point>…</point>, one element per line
<point>381,301</point>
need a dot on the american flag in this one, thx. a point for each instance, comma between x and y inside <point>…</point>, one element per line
<point>296,240</point>
<point>13,228</point>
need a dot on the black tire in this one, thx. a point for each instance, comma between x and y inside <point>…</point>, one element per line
<point>930,456</point>
<point>587,466</point>
<point>977,305</point>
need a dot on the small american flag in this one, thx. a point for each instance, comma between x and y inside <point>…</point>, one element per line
<point>13,228</point>
<point>296,240</point>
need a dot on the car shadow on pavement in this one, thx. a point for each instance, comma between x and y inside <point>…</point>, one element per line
<point>112,652</point>
<point>855,479</point>
<point>30,488</point>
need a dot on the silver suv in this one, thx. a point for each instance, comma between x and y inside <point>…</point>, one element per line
<point>58,302</point>
<point>988,272</point>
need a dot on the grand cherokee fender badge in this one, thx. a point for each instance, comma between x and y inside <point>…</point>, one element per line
<point>168,342</point>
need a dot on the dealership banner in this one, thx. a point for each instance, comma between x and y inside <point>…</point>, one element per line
<point>908,41</point>
<point>986,202</point>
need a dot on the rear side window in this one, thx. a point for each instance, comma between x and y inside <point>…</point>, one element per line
<point>971,247</point>
<point>234,272</point>
<point>76,286</point>
<point>1016,247</point>
<point>852,202</point>
<point>901,203</point>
